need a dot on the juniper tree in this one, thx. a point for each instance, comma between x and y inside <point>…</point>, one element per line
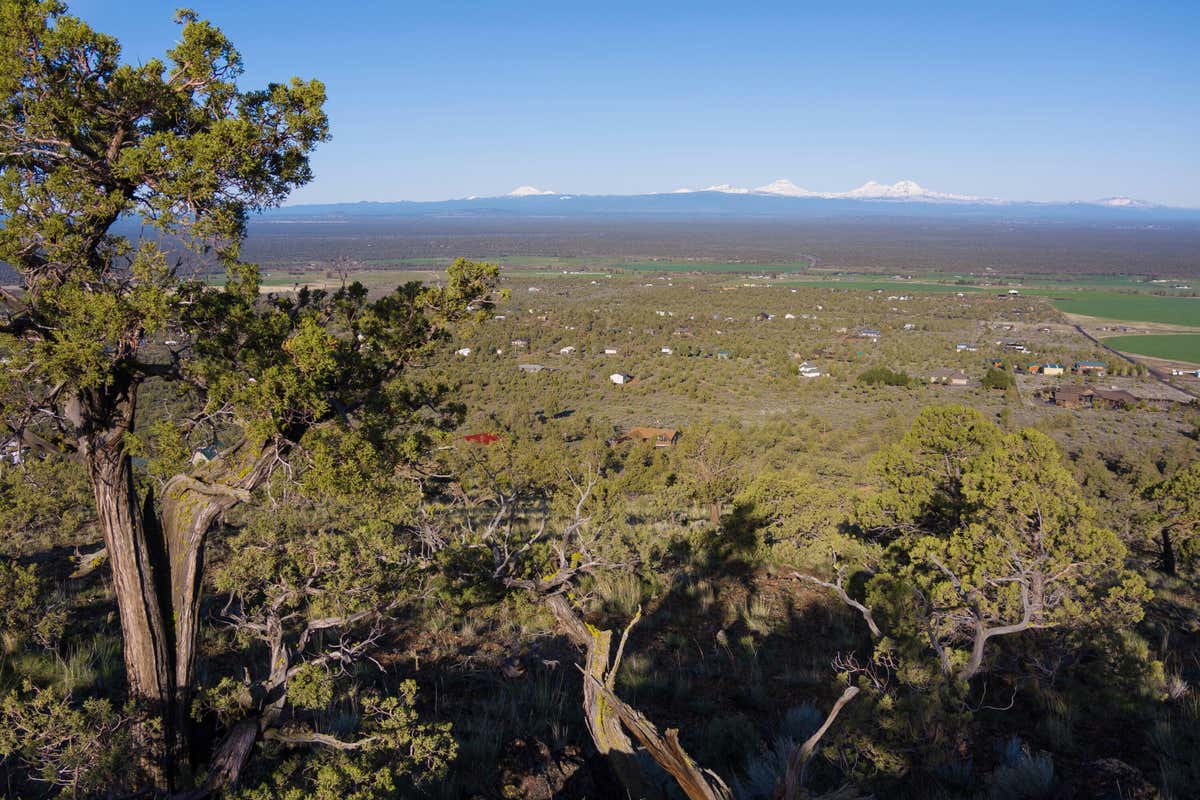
<point>176,145</point>
<point>1178,502</point>
<point>977,535</point>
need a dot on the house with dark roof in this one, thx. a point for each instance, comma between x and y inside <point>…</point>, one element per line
<point>1091,368</point>
<point>1071,396</point>
<point>1078,396</point>
<point>1113,398</point>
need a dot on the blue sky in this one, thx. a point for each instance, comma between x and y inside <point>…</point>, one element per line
<point>1038,101</point>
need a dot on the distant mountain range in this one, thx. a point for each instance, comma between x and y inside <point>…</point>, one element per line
<point>780,198</point>
<point>871,190</point>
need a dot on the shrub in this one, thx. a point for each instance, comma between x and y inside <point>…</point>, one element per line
<point>885,376</point>
<point>82,748</point>
<point>27,609</point>
<point>998,379</point>
<point>1022,776</point>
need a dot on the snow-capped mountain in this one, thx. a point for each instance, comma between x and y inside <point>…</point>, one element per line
<point>529,191</point>
<point>1124,202</point>
<point>871,190</point>
<point>785,188</point>
<point>723,188</point>
<point>908,190</point>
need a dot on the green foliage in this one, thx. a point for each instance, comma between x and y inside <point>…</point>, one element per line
<point>885,376</point>
<point>228,700</point>
<point>794,512</point>
<point>311,687</point>
<point>996,538</point>
<point>1178,500</point>
<point>998,379</point>
<point>26,609</point>
<point>83,748</point>
<point>395,749</point>
<point>44,502</point>
<point>920,477</point>
<point>707,465</point>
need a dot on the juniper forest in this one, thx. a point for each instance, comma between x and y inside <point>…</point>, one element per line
<point>476,506</point>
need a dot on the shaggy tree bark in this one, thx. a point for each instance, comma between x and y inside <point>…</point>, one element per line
<point>157,558</point>
<point>104,417</point>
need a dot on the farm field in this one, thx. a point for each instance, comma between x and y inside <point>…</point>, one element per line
<point>1171,346</point>
<point>520,263</point>
<point>884,286</point>
<point>1127,307</point>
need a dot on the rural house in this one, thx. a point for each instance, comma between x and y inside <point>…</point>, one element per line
<point>1071,396</point>
<point>1091,368</point>
<point>1077,396</point>
<point>620,378</point>
<point>1113,398</point>
<point>949,377</point>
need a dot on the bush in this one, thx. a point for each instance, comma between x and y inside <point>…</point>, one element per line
<point>998,379</point>
<point>79,747</point>
<point>885,376</point>
<point>27,608</point>
<point>1023,776</point>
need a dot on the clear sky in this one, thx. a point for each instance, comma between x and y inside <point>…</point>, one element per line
<point>440,99</point>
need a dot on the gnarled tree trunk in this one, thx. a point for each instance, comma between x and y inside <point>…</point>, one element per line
<point>190,505</point>
<point>157,559</point>
<point>103,418</point>
<point>604,724</point>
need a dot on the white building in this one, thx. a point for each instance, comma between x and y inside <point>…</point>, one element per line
<point>620,378</point>
<point>463,351</point>
<point>809,370</point>
<point>610,351</point>
<point>566,351</point>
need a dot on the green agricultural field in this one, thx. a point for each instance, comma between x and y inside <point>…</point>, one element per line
<point>710,266</point>
<point>903,287</point>
<point>1128,307</point>
<point>1174,346</point>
